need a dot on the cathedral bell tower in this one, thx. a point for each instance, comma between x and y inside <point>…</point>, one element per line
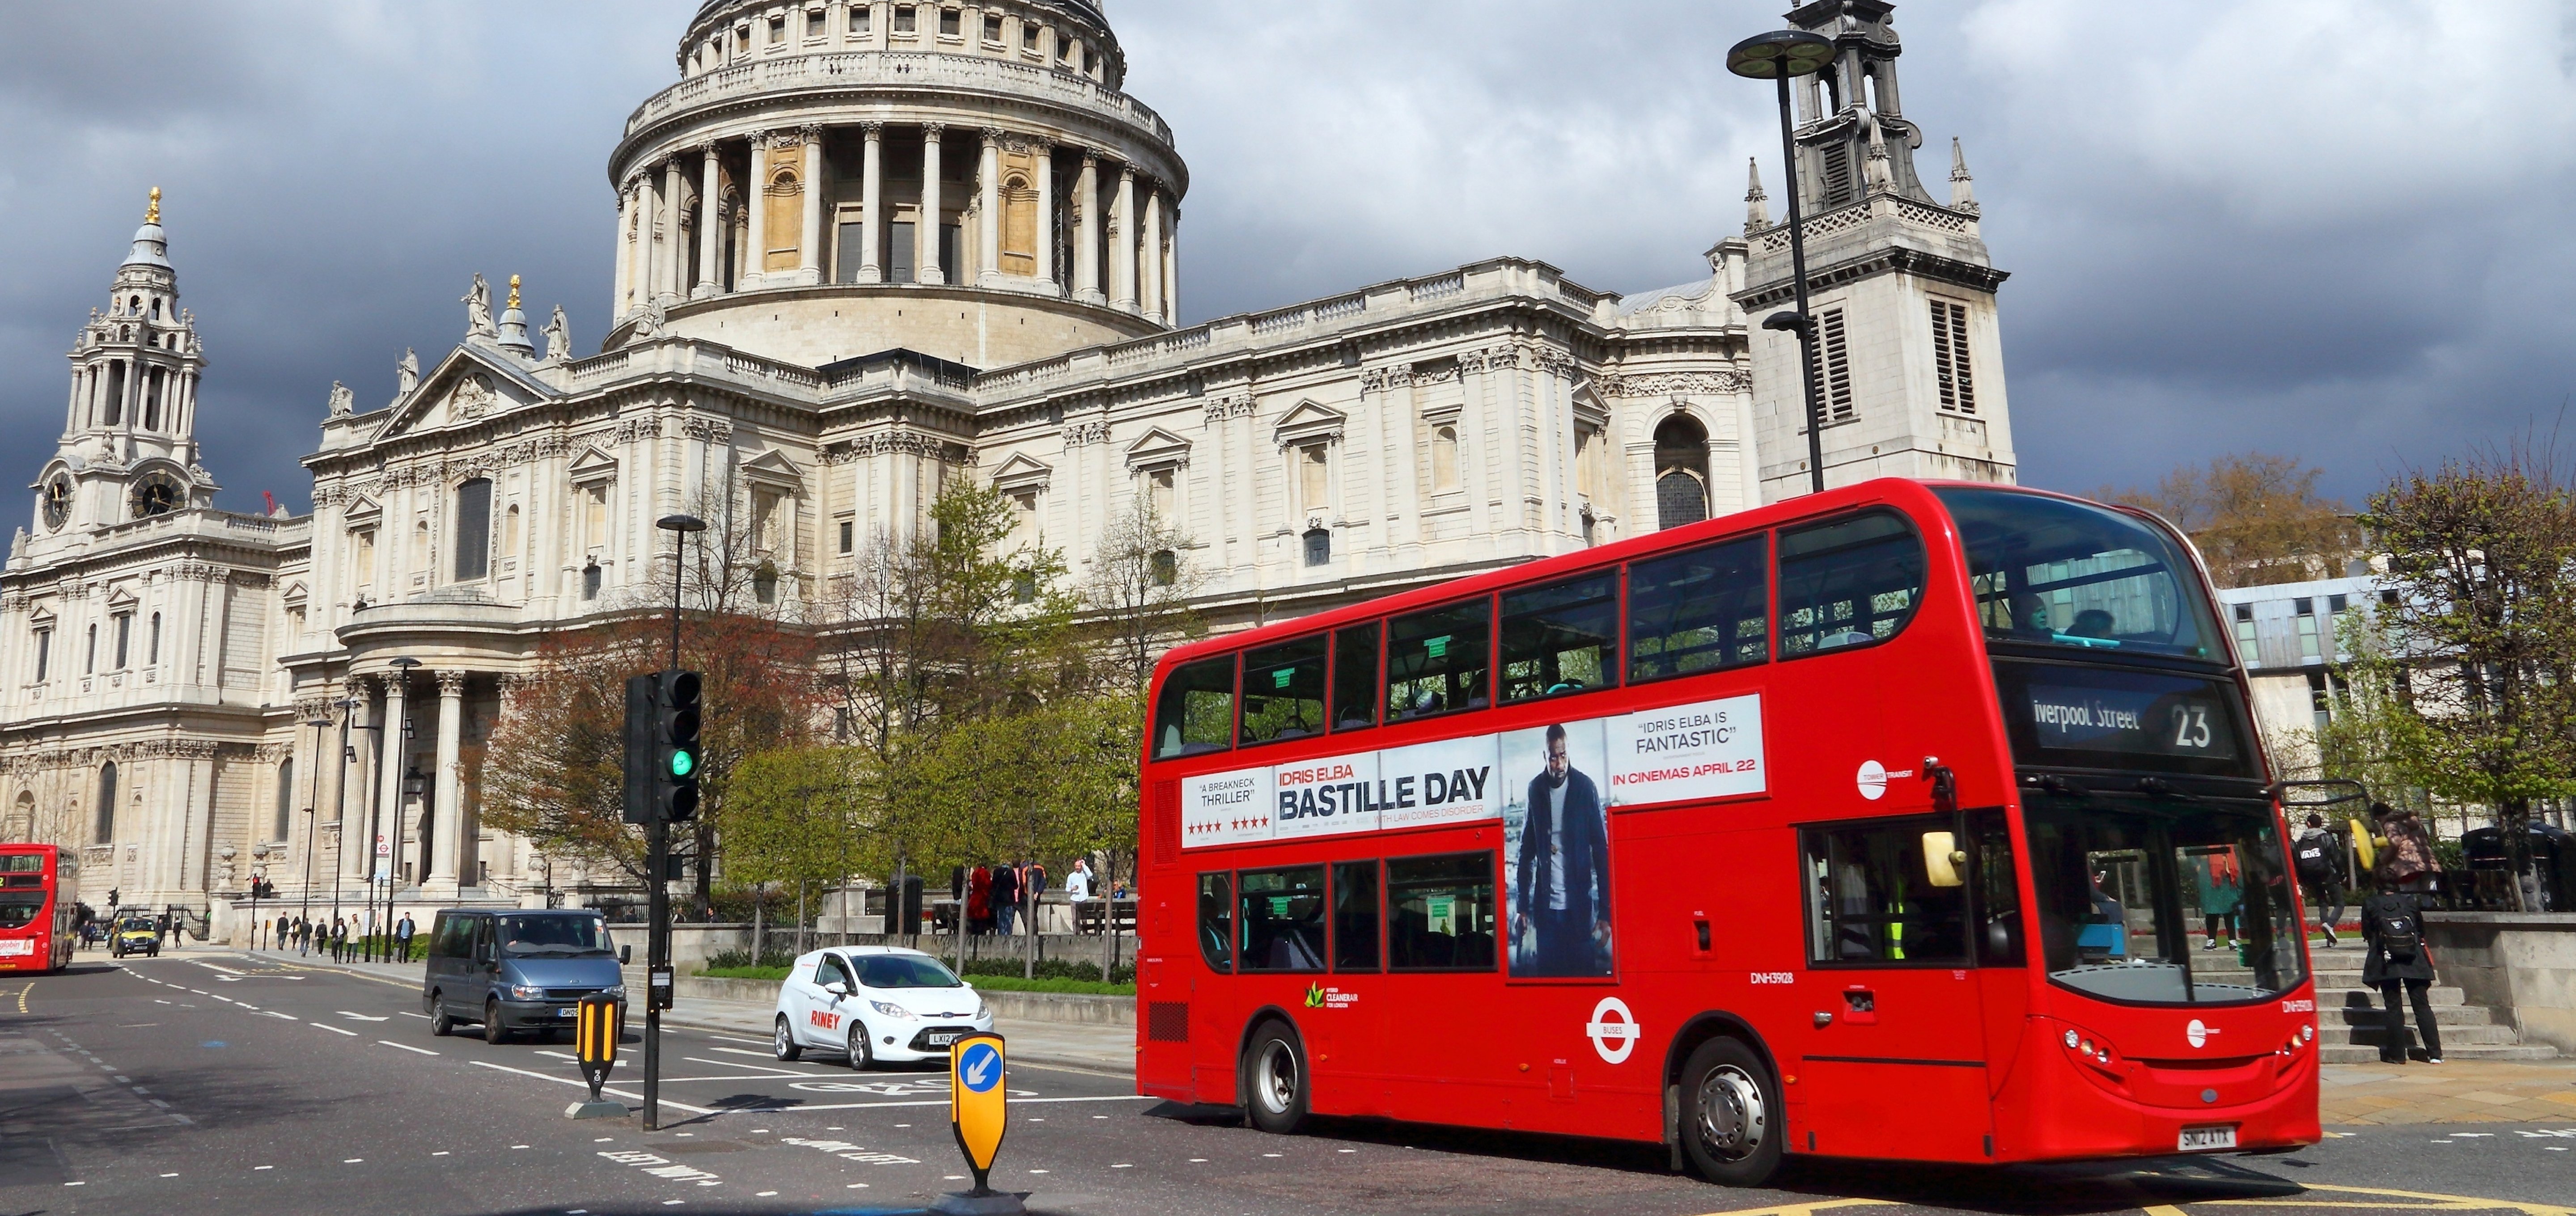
<point>129,448</point>
<point>1908,362</point>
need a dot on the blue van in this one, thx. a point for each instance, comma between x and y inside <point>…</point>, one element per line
<point>516,971</point>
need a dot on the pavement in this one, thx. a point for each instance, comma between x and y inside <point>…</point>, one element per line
<point>1094,1048</point>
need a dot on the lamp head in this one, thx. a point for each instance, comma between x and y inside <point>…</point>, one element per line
<point>681,523</point>
<point>1779,53</point>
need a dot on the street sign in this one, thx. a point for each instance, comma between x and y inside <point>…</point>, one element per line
<point>978,1106</point>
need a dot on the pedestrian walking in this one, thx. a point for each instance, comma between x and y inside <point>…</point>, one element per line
<point>1077,889</point>
<point>1033,883</point>
<point>2318,857</point>
<point>2392,930</point>
<point>979,900</point>
<point>2409,860</point>
<point>1005,897</point>
<point>303,936</point>
<point>339,939</point>
<point>402,936</point>
<point>277,939</point>
<point>2222,891</point>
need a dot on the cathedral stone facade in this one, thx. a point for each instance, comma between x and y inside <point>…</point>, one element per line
<point>863,249</point>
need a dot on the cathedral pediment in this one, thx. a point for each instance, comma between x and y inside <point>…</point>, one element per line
<point>468,385</point>
<point>1309,421</point>
<point>1022,472</point>
<point>363,507</point>
<point>592,465</point>
<point>1157,447</point>
<point>773,468</point>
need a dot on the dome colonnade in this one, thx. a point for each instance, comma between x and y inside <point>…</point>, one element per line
<point>848,153</point>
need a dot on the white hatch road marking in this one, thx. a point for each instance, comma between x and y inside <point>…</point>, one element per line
<point>409,1014</point>
<point>787,1072</point>
<point>269,1013</point>
<point>362,1017</point>
<point>1016,1101</point>
<point>695,1110</point>
<point>407,1047</point>
<point>217,970</point>
<point>333,1029</point>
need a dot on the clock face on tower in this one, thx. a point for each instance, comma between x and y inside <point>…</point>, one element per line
<point>58,501</point>
<point>156,494</point>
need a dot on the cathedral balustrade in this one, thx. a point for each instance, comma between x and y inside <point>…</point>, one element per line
<point>902,72</point>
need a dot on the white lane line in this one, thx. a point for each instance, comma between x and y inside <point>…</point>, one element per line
<point>218,970</point>
<point>360,1016</point>
<point>409,1014</point>
<point>726,1037</point>
<point>407,1047</point>
<point>701,1110</point>
<point>333,1029</point>
<point>270,1013</point>
<point>790,1072</point>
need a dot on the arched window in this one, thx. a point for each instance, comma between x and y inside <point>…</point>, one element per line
<point>1319,546</point>
<point>590,581</point>
<point>420,547</point>
<point>764,582</point>
<point>155,658</point>
<point>1681,472</point>
<point>474,529</point>
<point>1444,458</point>
<point>1167,567</point>
<point>510,531</point>
<point>284,824</point>
<point>156,309</point>
<point>105,830</point>
<point>22,821</point>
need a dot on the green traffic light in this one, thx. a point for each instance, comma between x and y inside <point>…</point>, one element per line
<point>683,763</point>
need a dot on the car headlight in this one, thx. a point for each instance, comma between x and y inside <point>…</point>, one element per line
<point>892,1010</point>
<point>616,992</point>
<point>527,992</point>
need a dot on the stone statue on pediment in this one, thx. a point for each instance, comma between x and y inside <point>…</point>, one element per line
<point>343,402</point>
<point>478,309</point>
<point>558,334</point>
<point>407,374</point>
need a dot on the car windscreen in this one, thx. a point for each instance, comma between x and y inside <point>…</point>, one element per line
<point>2050,572</point>
<point>903,971</point>
<point>553,935</point>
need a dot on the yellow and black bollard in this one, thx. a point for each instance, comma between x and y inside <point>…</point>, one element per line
<point>978,1111</point>
<point>600,1019</point>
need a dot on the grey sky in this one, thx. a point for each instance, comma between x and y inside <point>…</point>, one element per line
<point>2333,228</point>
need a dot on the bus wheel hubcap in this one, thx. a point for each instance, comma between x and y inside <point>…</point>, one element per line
<point>1278,1080</point>
<point>1731,1118</point>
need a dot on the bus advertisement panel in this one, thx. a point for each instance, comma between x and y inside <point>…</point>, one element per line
<point>1720,836</point>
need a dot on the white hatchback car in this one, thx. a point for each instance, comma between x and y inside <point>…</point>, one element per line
<point>878,1004</point>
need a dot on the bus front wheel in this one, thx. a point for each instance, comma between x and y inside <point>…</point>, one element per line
<point>1731,1115</point>
<point>1274,1080</point>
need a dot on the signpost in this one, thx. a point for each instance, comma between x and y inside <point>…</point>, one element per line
<point>978,1110</point>
<point>601,1019</point>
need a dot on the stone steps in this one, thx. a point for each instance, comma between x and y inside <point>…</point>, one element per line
<point>2336,1054</point>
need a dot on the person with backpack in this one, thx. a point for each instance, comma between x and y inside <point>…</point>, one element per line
<point>2392,930</point>
<point>2316,855</point>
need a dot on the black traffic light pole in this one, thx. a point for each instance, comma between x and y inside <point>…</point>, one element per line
<point>658,979</point>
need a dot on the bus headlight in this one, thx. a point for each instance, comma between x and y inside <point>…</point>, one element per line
<point>2070,1039</point>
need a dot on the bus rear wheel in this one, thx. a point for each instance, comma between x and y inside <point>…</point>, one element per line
<point>1731,1114</point>
<point>1274,1080</point>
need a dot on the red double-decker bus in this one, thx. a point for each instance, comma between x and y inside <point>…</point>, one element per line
<point>39,901</point>
<point>1899,821</point>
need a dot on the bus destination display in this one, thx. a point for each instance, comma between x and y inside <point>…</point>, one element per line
<point>2150,716</point>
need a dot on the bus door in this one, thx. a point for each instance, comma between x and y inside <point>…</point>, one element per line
<point>1893,1063</point>
<point>1214,1030</point>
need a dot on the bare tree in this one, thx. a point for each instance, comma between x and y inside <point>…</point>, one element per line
<point>1138,596</point>
<point>2257,518</point>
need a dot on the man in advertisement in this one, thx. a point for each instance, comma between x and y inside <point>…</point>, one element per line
<point>1563,890</point>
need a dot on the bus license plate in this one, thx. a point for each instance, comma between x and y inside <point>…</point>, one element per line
<point>943,1039</point>
<point>18,946</point>
<point>2207,1139</point>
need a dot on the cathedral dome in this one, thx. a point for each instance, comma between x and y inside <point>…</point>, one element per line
<point>834,178</point>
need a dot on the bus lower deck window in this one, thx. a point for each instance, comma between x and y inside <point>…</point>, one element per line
<point>1440,913</point>
<point>1216,920</point>
<point>1437,661</point>
<point>1700,610</point>
<point>1195,712</point>
<point>1283,691</point>
<point>1281,919</point>
<point>1558,638</point>
<point>1355,920</point>
<point>1871,898</point>
<point>1355,678</point>
<point>1852,582</point>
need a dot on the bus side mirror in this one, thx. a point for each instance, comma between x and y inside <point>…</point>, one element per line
<point>1942,859</point>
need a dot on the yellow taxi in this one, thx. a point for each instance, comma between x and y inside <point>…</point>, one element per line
<point>135,935</point>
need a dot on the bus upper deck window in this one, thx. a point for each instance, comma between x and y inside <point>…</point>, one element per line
<point>1355,678</point>
<point>1852,582</point>
<point>1283,691</point>
<point>1195,713</point>
<point>2053,572</point>
<point>1699,610</point>
<point>1559,638</point>
<point>1438,661</point>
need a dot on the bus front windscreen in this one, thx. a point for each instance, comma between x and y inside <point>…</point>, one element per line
<point>20,909</point>
<point>2163,903</point>
<point>2050,572</point>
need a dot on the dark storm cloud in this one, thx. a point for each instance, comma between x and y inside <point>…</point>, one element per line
<point>2329,229</point>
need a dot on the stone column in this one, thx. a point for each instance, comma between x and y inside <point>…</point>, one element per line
<point>988,199</point>
<point>710,222</point>
<point>674,255</point>
<point>389,769</point>
<point>925,230</point>
<point>1086,231</point>
<point>1172,266</point>
<point>448,815</point>
<point>639,251</point>
<point>1122,249</point>
<point>810,270</point>
<point>757,236</point>
<point>625,254</point>
<point>1046,216</point>
<point>349,773</point>
<point>1149,255</point>
<point>871,203</point>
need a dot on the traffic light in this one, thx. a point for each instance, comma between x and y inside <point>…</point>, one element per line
<point>675,739</point>
<point>114,897</point>
<point>642,785</point>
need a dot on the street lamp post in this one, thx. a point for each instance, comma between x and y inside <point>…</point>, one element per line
<point>396,730</point>
<point>1779,56</point>
<point>657,852</point>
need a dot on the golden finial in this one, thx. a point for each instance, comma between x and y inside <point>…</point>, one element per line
<point>153,216</point>
<point>514,291</point>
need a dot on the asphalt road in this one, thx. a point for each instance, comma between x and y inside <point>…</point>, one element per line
<point>222,1085</point>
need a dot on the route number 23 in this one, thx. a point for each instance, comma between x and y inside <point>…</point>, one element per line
<point>2191,727</point>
